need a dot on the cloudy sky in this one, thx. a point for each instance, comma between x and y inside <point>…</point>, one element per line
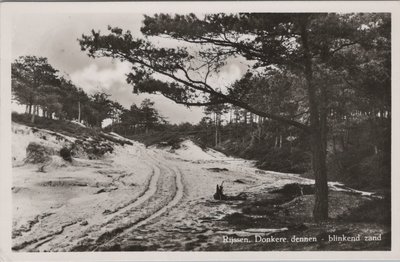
<point>55,36</point>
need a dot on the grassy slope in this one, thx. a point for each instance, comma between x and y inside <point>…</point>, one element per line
<point>60,126</point>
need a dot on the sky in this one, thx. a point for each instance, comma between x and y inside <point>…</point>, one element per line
<point>55,36</point>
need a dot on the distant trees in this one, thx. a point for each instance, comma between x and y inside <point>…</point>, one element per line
<point>216,112</point>
<point>32,77</point>
<point>37,85</point>
<point>100,108</point>
<point>74,100</point>
<point>149,115</point>
<point>139,119</point>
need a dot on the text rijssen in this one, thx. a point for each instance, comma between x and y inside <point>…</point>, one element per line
<point>297,239</point>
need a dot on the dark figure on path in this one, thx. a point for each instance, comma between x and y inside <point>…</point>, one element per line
<point>219,195</point>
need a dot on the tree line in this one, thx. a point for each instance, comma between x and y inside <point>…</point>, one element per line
<point>39,86</point>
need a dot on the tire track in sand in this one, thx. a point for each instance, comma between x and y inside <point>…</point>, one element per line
<point>175,193</point>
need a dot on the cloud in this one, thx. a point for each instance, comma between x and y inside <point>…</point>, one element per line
<point>112,80</point>
<point>93,78</point>
<point>229,75</point>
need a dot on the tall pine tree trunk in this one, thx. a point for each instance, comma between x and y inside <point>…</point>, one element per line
<point>334,144</point>
<point>320,211</point>
<point>33,115</point>
<point>79,111</point>
<point>216,129</point>
<point>317,134</point>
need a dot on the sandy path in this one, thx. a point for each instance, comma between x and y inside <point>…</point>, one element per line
<point>186,221</point>
<point>168,194</point>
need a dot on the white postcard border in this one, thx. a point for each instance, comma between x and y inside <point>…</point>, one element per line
<point>7,10</point>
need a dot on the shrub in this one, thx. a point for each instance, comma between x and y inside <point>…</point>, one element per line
<point>37,153</point>
<point>65,153</point>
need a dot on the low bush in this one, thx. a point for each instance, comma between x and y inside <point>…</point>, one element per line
<point>65,153</point>
<point>37,153</point>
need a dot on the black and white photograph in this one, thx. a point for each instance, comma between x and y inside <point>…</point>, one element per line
<point>143,130</point>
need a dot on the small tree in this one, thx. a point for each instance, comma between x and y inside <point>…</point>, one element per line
<point>100,107</point>
<point>149,114</point>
